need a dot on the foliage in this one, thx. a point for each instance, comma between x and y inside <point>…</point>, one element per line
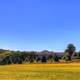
<point>78,55</point>
<point>70,51</point>
<point>56,58</point>
<point>19,57</point>
<point>44,60</point>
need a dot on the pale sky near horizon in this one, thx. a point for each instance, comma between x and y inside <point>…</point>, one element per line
<point>39,24</point>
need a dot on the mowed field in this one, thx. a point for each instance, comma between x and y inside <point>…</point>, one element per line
<point>40,72</point>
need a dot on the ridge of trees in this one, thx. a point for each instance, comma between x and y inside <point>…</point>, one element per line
<point>20,57</point>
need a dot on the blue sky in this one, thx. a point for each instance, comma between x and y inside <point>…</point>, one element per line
<point>39,24</point>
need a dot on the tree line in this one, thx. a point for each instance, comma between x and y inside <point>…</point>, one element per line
<point>21,57</point>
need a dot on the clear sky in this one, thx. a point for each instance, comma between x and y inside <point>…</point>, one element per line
<point>39,24</point>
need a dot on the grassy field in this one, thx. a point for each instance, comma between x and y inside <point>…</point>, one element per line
<point>40,72</point>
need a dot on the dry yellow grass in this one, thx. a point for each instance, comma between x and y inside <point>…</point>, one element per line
<point>40,72</point>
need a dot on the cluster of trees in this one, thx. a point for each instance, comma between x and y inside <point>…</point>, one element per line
<point>19,57</point>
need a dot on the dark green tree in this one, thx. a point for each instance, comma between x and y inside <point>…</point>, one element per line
<point>32,56</point>
<point>78,55</point>
<point>70,51</point>
<point>44,60</point>
<point>56,58</point>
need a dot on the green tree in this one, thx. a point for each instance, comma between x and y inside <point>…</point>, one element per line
<point>56,58</point>
<point>70,51</point>
<point>44,60</point>
<point>78,55</point>
<point>32,56</point>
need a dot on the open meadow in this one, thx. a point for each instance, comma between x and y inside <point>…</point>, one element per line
<point>40,72</point>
